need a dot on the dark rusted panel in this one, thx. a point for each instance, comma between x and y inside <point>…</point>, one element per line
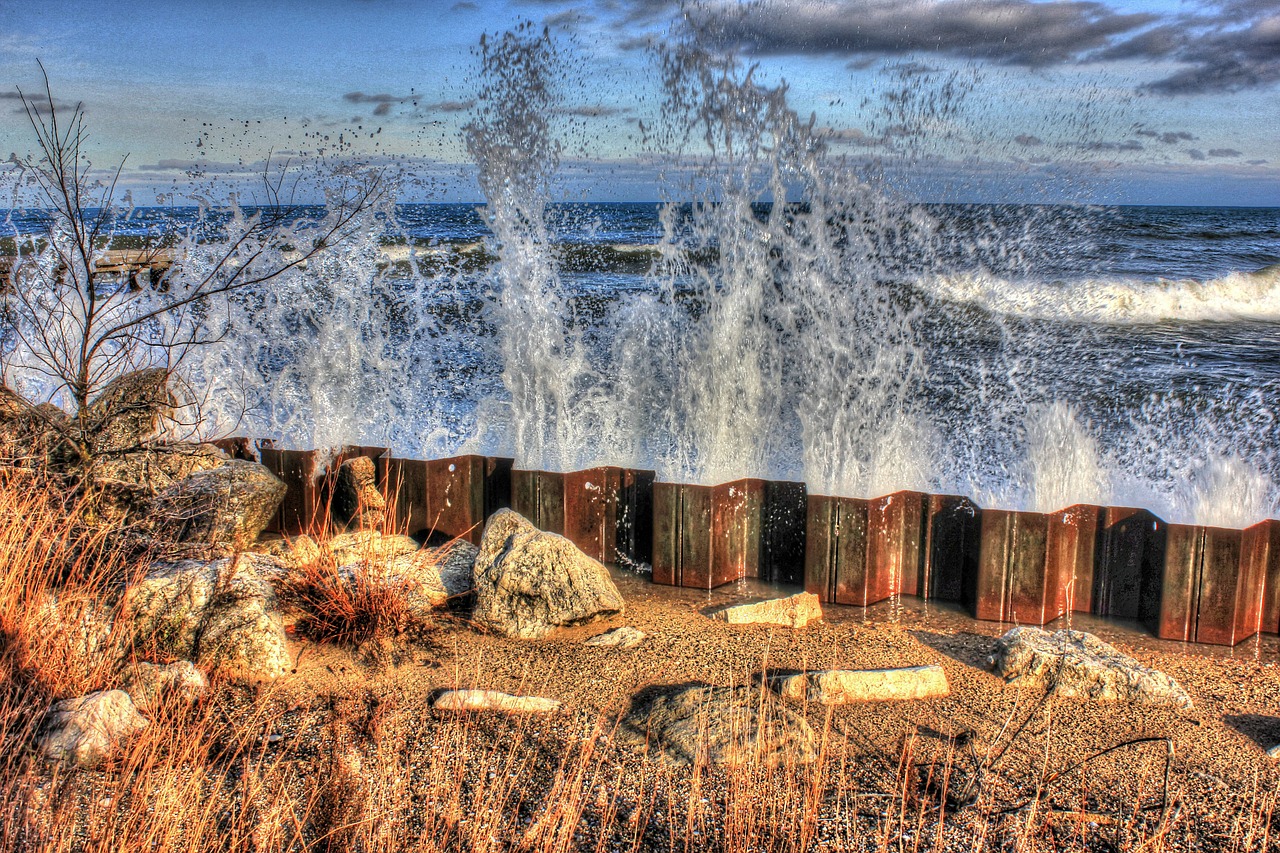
<point>1074,536</point>
<point>782,556</point>
<point>667,567</point>
<point>896,537</point>
<point>300,511</point>
<point>608,513</point>
<point>836,552</point>
<point>1225,615</point>
<point>951,547</point>
<point>1128,572</point>
<point>1179,587</point>
<point>539,497</point>
<point>820,542</point>
<point>237,447</point>
<point>1264,539</point>
<point>464,491</point>
<point>405,483</point>
<point>1015,580</point>
<point>682,536</point>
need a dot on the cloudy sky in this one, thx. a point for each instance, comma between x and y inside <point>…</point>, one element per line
<point>1129,101</point>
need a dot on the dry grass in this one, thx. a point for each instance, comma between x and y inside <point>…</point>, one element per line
<point>267,769</point>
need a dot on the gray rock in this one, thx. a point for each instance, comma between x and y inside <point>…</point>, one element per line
<point>82,624</point>
<point>625,637</point>
<point>221,614</point>
<point>126,483</point>
<point>1079,665</point>
<point>226,506</point>
<point>492,700</point>
<point>356,497</point>
<point>153,687</point>
<point>721,725</point>
<point>795,611</point>
<point>128,411</point>
<point>367,545</point>
<point>847,686</point>
<point>528,583</point>
<point>89,730</point>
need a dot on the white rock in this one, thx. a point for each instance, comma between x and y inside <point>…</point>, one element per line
<point>795,611</point>
<point>625,637</point>
<point>1079,665</point>
<point>492,700</point>
<point>89,730</point>
<point>846,686</point>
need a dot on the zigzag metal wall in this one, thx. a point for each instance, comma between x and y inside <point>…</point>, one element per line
<point>1186,582</point>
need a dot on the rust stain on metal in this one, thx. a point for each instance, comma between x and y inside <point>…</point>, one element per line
<point>1265,553</point>
<point>682,536</point>
<point>539,497</point>
<point>1073,550</point>
<point>896,537</point>
<point>237,447</point>
<point>463,491</point>
<point>1017,582</point>
<point>447,498</point>
<point>1212,584</point>
<point>300,509</point>
<point>608,513</point>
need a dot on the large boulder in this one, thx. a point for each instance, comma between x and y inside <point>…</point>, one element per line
<point>1078,665</point>
<point>128,411</point>
<point>34,434</point>
<point>90,729</point>
<point>227,506</point>
<point>720,725</point>
<point>528,582</point>
<point>222,615</point>
<point>127,482</point>
<point>356,497</point>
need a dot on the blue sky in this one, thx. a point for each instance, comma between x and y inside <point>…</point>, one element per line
<point>1131,101</point>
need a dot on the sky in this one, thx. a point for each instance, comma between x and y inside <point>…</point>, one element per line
<point>1111,101</point>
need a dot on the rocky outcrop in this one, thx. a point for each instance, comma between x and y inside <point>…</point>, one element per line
<point>847,686</point>
<point>356,497</point>
<point>528,583</point>
<point>492,700</point>
<point>154,687</point>
<point>720,725</point>
<point>126,483</point>
<point>1077,665</point>
<point>220,614</point>
<point>129,410</point>
<point>89,730</point>
<point>227,506</point>
<point>795,611</point>
<point>625,637</point>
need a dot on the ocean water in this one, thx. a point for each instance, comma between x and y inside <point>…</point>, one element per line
<point>1028,356</point>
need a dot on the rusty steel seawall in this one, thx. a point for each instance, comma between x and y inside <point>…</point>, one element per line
<point>1193,583</point>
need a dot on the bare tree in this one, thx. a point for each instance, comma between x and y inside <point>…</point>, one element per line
<point>76,322</point>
